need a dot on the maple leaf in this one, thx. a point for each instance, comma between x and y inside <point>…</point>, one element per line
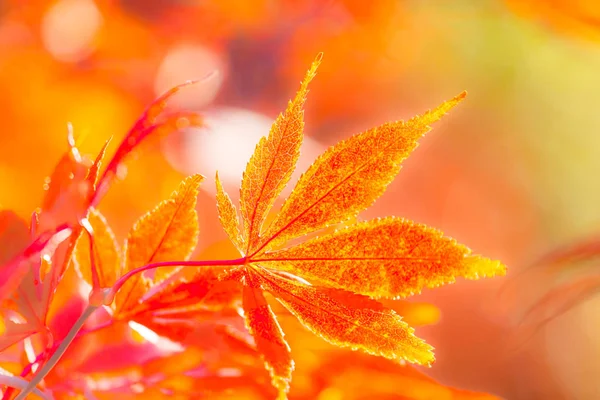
<point>169,231</point>
<point>386,258</point>
<point>26,294</point>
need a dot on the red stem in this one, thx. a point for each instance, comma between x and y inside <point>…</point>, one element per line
<point>209,263</point>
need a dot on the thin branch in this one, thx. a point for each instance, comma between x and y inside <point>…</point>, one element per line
<point>16,382</point>
<point>56,356</point>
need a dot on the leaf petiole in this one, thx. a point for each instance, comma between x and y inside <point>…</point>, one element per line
<point>209,263</point>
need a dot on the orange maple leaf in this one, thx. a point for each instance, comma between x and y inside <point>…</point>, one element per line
<point>169,231</point>
<point>386,258</point>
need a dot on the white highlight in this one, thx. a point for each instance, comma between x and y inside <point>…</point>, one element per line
<point>154,338</point>
<point>226,145</point>
<point>69,29</point>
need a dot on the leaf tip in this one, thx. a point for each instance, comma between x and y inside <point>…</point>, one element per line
<point>446,106</point>
<point>195,180</point>
<point>477,267</point>
<point>430,361</point>
<point>437,113</point>
<point>312,71</point>
<point>424,354</point>
<point>219,185</point>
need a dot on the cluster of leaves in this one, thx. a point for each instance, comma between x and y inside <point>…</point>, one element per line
<point>84,317</point>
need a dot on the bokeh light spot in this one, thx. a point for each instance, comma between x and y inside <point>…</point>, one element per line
<point>69,29</point>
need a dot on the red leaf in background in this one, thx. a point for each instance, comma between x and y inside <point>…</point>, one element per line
<point>152,122</point>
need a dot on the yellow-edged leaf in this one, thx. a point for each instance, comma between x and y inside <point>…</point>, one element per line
<point>387,258</point>
<point>349,320</point>
<point>349,177</point>
<point>272,163</point>
<point>169,232</point>
<point>228,216</point>
<point>383,258</point>
<point>270,343</point>
<point>106,252</point>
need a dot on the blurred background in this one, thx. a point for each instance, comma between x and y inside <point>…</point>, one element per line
<point>510,172</point>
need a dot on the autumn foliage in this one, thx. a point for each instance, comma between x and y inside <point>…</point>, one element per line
<point>89,315</point>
